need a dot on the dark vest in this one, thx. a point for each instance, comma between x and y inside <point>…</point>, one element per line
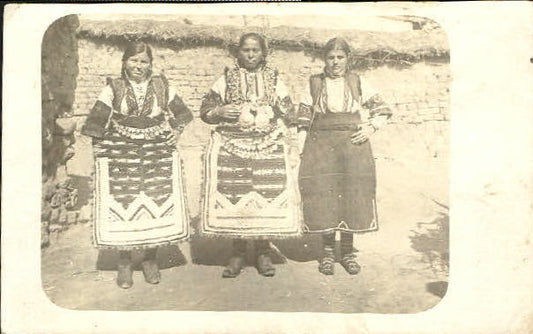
<point>158,83</point>
<point>98,118</point>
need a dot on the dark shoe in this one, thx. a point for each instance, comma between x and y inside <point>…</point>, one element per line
<point>349,263</point>
<point>234,268</point>
<point>124,279</point>
<point>264,265</point>
<point>151,272</point>
<point>327,264</point>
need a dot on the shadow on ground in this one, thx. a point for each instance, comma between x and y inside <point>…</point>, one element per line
<point>217,251</point>
<point>431,239</point>
<point>437,288</point>
<point>167,257</point>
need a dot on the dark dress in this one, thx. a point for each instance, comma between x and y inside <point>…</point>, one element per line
<point>337,178</point>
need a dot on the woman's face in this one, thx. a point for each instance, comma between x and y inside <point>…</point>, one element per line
<point>250,54</point>
<point>336,61</point>
<point>138,67</point>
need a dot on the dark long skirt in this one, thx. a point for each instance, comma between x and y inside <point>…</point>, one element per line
<point>337,178</point>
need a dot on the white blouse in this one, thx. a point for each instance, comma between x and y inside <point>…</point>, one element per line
<point>335,91</point>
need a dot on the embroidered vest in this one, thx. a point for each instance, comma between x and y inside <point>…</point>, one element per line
<point>157,88</point>
<point>251,145</point>
<point>137,124</point>
<point>233,85</point>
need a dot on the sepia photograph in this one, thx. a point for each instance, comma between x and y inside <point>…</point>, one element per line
<point>241,163</point>
<point>265,168</point>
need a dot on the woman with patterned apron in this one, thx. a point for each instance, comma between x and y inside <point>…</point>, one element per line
<point>250,176</point>
<point>139,193</point>
<point>337,172</point>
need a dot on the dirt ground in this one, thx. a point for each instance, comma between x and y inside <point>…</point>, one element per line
<point>402,271</point>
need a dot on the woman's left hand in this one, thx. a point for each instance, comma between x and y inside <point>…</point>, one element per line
<point>362,135</point>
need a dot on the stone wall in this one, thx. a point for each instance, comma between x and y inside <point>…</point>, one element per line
<point>418,133</point>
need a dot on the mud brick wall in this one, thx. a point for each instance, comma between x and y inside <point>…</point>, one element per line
<point>419,93</point>
<point>59,70</point>
<point>417,135</point>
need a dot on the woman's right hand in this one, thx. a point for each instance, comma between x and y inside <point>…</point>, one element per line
<point>362,135</point>
<point>228,112</point>
<point>172,138</point>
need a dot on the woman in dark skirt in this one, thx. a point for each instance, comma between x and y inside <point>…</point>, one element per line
<point>337,173</point>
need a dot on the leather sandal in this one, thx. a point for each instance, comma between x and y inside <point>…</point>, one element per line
<point>349,263</point>
<point>234,268</point>
<point>264,265</point>
<point>327,263</point>
<point>151,272</point>
<point>124,277</point>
